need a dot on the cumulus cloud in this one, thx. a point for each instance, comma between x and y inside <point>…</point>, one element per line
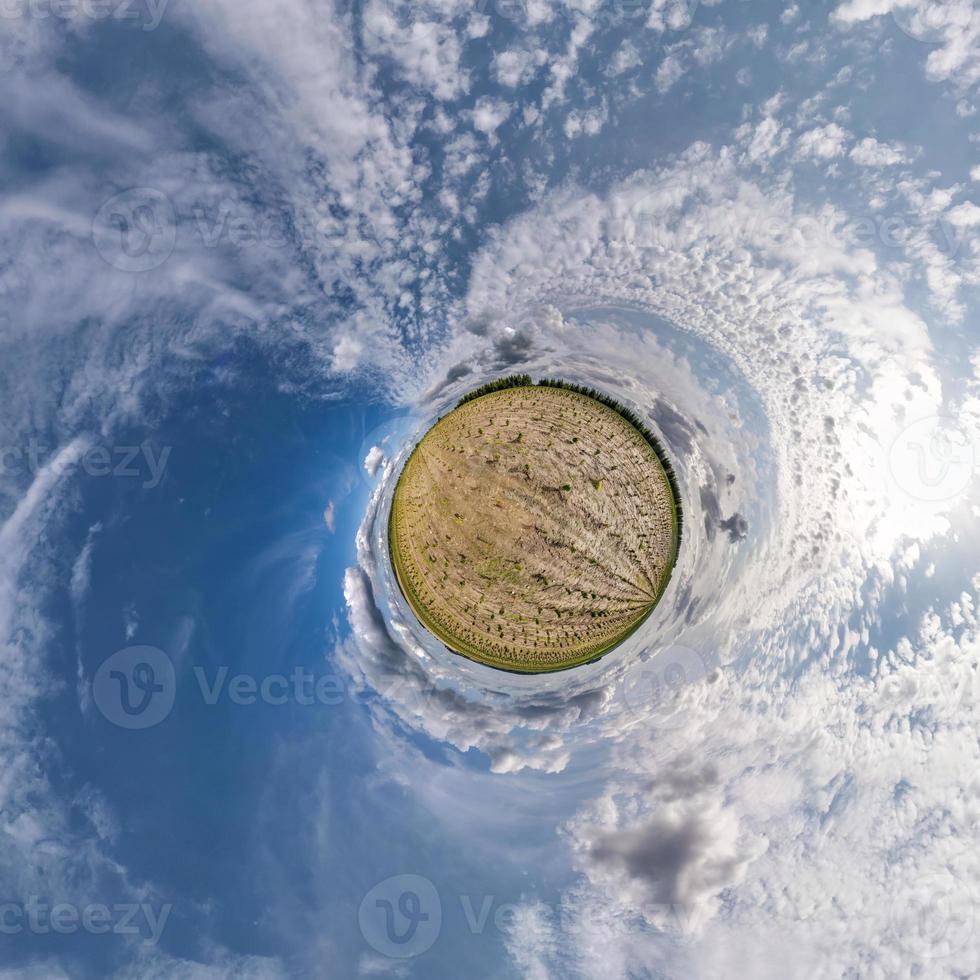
<point>680,851</point>
<point>785,816</point>
<point>153,964</point>
<point>951,28</point>
<point>823,142</point>
<point>490,114</point>
<point>868,152</point>
<point>417,693</point>
<point>669,73</point>
<point>373,461</point>
<point>965,215</point>
<point>515,66</point>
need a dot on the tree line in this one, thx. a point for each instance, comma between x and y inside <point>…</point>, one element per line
<point>510,381</point>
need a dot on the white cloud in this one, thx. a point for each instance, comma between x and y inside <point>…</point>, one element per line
<point>422,40</point>
<point>373,461</point>
<point>965,215</point>
<point>382,966</point>
<point>822,142</point>
<point>153,964</point>
<point>587,123</point>
<point>532,940</point>
<point>347,352</point>
<point>419,694</point>
<point>703,46</point>
<point>515,66</point>
<point>680,848</point>
<point>868,152</point>
<point>564,67</point>
<point>627,56</point>
<point>82,569</point>
<point>669,73</point>
<point>950,28</point>
<point>672,15</point>
<point>763,141</point>
<point>802,785</point>
<point>490,114</point>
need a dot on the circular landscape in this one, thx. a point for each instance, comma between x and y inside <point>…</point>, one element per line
<point>535,526</point>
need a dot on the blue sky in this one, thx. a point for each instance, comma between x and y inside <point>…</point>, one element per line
<point>251,250</point>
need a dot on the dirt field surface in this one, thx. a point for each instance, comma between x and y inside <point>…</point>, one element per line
<point>533,529</point>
